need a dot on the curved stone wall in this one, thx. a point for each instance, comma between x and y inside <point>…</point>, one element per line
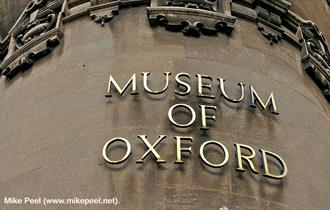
<point>55,120</point>
<point>40,28</point>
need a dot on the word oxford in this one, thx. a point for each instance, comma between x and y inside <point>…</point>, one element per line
<point>241,156</point>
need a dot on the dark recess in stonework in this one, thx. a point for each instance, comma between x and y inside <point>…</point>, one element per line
<point>40,27</point>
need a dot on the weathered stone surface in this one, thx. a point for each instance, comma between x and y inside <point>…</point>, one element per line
<point>55,120</point>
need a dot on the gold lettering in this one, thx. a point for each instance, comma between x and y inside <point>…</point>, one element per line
<point>151,148</point>
<point>202,85</point>
<point>145,83</point>
<point>224,149</point>
<point>222,88</point>
<point>284,168</point>
<point>248,159</point>
<point>256,99</point>
<point>179,149</point>
<point>107,145</point>
<point>121,90</point>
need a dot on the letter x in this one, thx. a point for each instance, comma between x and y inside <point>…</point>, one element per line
<point>151,148</point>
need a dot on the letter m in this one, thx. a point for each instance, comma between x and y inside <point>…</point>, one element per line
<point>256,99</point>
<point>9,200</point>
<point>112,82</point>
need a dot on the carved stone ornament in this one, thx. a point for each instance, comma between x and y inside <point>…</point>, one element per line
<point>315,56</point>
<point>40,27</point>
<point>193,17</point>
<point>34,35</point>
<point>103,11</point>
<point>269,24</point>
<point>272,35</point>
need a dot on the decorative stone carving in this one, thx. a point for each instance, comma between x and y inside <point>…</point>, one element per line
<point>35,34</point>
<point>193,17</point>
<point>269,24</point>
<point>272,35</point>
<point>198,5</point>
<point>39,29</point>
<point>103,10</point>
<point>277,22</point>
<point>315,56</point>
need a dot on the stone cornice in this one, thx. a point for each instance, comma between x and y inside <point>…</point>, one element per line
<point>41,27</point>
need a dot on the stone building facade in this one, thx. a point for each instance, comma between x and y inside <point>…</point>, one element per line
<point>56,57</point>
